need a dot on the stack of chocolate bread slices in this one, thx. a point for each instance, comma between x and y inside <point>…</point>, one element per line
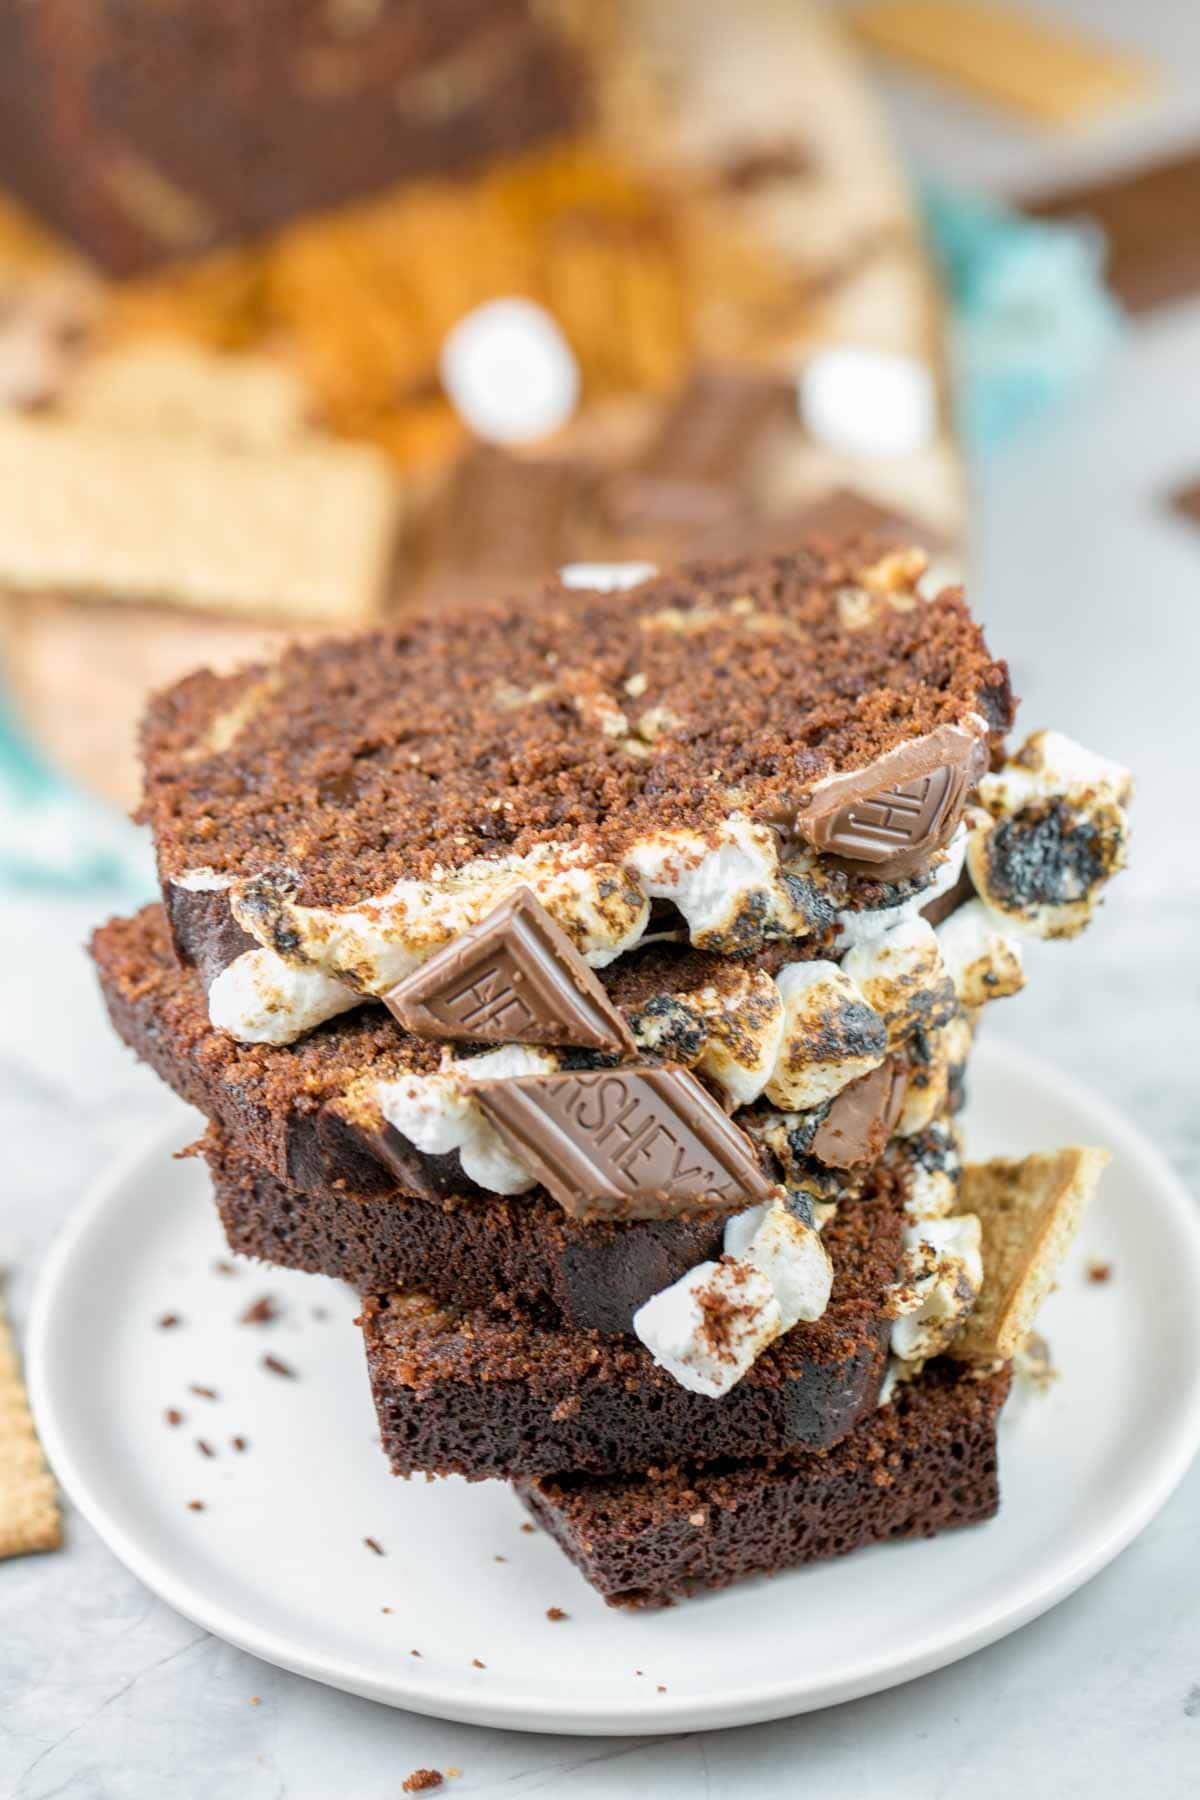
<point>590,981</point>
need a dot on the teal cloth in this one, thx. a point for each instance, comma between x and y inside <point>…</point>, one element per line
<point>1031,322</point>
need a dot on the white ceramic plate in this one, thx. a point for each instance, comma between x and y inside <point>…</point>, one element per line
<point>277,1562</point>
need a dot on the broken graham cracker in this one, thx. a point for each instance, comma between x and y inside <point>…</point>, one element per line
<point>29,1516</point>
<point>306,532</point>
<point>1029,1211</point>
<point>1010,56</point>
<point>235,402</point>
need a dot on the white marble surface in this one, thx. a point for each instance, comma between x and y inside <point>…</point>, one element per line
<point>1094,593</point>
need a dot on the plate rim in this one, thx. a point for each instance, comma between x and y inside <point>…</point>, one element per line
<point>792,1696</point>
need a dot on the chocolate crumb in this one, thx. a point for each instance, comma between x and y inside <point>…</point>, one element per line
<point>262,1311</point>
<point>173,1416</point>
<point>555,1613</point>
<point>385,1609</point>
<point>375,1545</point>
<point>660,1688</point>
<point>639,1671</point>
<point>204,1393</point>
<point>421,1780</point>
<point>224,1268</point>
<point>476,1664</point>
<point>499,1559</point>
<point>277,1367</point>
<point>204,1448</point>
<point>169,1320</point>
<point>414,1653</point>
<point>195,1506</point>
<point>240,1443</point>
<point>529,1528</point>
<point>1099,1272</point>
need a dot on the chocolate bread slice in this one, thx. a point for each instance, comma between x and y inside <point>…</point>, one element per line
<point>472,1251</point>
<point>923,1464</point>
<point>752,747</point>
<point>477,1393</point>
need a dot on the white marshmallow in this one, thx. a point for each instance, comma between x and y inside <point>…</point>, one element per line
<point>509,372</point>
<point>438,1114</point>
<point>897,973</point>
<point>714,885</point>
<point>945,1275</point>
<point>870,924</point>
<point>745,1031</point>
<point>980,957</point>
<point>675,1325</point>
<point>1049,764</point>
<point>260,999</point>
<point>794,1260</point>
<point>868,402</point>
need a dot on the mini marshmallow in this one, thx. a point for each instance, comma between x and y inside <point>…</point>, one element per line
<point>744,1023</point>
<point>944,1274</point>
<point>868,402</point>
<point>870,924</point>
<point>790,1254</point>
<point>260,999</point>
<point>728,891</point>
<point>1053,833</point>
<point>708,1327</point>
<point>438,1114</point>
<point>901,976</point>
<point>829,1035</point>
<point>509,372</point>
<point>981,959</point>
<point>932,1165</point>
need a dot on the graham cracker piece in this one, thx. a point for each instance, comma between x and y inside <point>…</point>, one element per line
<point>240,402</point>
<point>29,1517</point>
<point>1041,71</point>
<point>305,532</point>
<point>1029,1211</point>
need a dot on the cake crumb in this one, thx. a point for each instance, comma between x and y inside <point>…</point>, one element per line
<point>195,1506</point>
<point>278,1367</point>
<point>421,1780</point>
<point>529,1528</point>
<point>224,1268</point>
<point>173,1416</point>
<point>1099,1272</point>
<point>385,1609</point>
<point>414,1653</point>
<point>262,1311</point>
<point>203,1393</point>
<point>375,1545</point>
<point>499,1559</point>
<point>240,1443</point>
<point>476,1664</point>
<point>660,1688</point>
<point>555,1613</point>
<point>169,1321</point>
<point>204,1447</point>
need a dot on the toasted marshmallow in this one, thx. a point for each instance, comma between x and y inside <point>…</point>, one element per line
<point>438,1114</point>
<point>744,1021</point>
<point>871,923</point>
<point>260,999</point>
<point>982,960</point>
<point>708,1327</point>
<point>725,888</point>
<point>1053,832</point>
<point>932,1165</point>
<point>943,1278</point>
<point>830,1036</point>
<point>901,976</point>
<point>789,1252</point>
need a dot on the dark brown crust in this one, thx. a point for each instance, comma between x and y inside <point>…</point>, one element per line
<point>420,724</point>
<point>479,1394</point>
<point>922,1465</point>
<point>285,1106</point>
<point>493,1252</point>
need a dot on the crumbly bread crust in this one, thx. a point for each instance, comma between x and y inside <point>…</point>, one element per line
<point>391,755</point>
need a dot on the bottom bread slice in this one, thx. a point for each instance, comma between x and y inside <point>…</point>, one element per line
<point>922,1464</point>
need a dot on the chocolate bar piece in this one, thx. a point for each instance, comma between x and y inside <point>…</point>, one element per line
<point>515,978</point>
<point>152,132</point>
<point>923,1464</point>
<point>893,813</point>
<point>861,1118</point>
<point>630,1143</point>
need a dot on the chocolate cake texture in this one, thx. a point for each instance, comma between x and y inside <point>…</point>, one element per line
<point>477,1393</point>
<point>923,1464</point>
